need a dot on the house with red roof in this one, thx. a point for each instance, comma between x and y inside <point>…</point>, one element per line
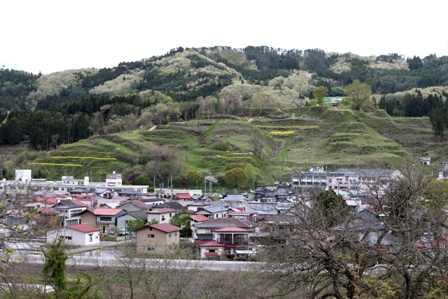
<point>198,218</point>
<point>44,202</point>
<point>210,249</point>
<point>229,243</point>
<point>428,241</point>
<point>86,199</point>
<point>182,196</point>
<point>78,234</point>
<point>159,238</point>
<point>104,218</point>
<point>226,237</point>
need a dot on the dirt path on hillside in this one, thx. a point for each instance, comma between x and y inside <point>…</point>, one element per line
<point>281,145</point>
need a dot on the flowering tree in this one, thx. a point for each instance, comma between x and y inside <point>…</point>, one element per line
<point>236,177</point>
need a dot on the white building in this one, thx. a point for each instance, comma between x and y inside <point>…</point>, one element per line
<point>78,234</point>
<point>67,183</point>
<point>171,192</point>
<point>114,180</point>
<point>23,175</point>
<point>162,215</point>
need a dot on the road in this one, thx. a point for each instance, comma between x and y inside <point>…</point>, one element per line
<point>109,257</point>
<point>112,261</point>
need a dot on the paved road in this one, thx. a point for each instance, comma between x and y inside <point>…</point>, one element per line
<point>103,244</point>
<point>108,257</point>
<point>107,260</point>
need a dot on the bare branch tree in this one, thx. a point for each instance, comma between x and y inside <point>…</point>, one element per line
<point>21,227</point>
<point>397,244</point>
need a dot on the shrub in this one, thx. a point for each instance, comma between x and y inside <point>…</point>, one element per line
<point>220,146</point>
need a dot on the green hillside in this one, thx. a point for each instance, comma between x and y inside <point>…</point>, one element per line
<point>331,138</point>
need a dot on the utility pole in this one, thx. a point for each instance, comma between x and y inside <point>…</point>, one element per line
<point>313,155</point>
<point>221,211</point>
<point>171,178</point>
<point>125,230</point>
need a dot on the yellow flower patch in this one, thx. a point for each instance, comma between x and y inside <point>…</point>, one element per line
<point>281,132</point>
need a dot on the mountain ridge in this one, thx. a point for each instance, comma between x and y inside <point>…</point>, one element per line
<point>252,65</point>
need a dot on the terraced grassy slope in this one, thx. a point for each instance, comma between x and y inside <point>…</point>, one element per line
<point>338,138</point>
<point>310,136</point>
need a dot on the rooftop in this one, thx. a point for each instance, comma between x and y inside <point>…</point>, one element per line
<point>84,228</point>
<point>225,222</point>
<point>183,195</point>
<point>105,211</point>
<point>199,218</point>
<point>161,211</point>
<point>165,227</point>
<point>231,230</point>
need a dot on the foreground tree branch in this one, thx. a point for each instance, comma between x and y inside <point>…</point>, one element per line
<point>399,251</point>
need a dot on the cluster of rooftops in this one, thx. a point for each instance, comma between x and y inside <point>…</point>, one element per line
<point>229,226</point>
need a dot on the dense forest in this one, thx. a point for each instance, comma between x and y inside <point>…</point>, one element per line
<point>187,83</point>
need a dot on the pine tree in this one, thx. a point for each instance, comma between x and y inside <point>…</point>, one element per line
<point>54,267</point>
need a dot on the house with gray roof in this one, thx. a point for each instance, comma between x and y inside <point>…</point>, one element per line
<point>139,215</point>
<point>175,205</point>
<point>213,212</point>
<point>134,205</point>
<point>264,209</point>
<point>233,199</point>
<point>194,206</point>
<point>69,211</point>
<point>129,193</point>
<point>152,201</point>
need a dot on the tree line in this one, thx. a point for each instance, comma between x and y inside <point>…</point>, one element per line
<point>413,104</point>
<point>15,87</point>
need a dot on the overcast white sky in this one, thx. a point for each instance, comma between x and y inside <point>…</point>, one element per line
<point>50,36</point>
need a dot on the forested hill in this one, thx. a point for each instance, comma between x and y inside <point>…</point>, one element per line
<point>185,74</point>
<point>70,105</point>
